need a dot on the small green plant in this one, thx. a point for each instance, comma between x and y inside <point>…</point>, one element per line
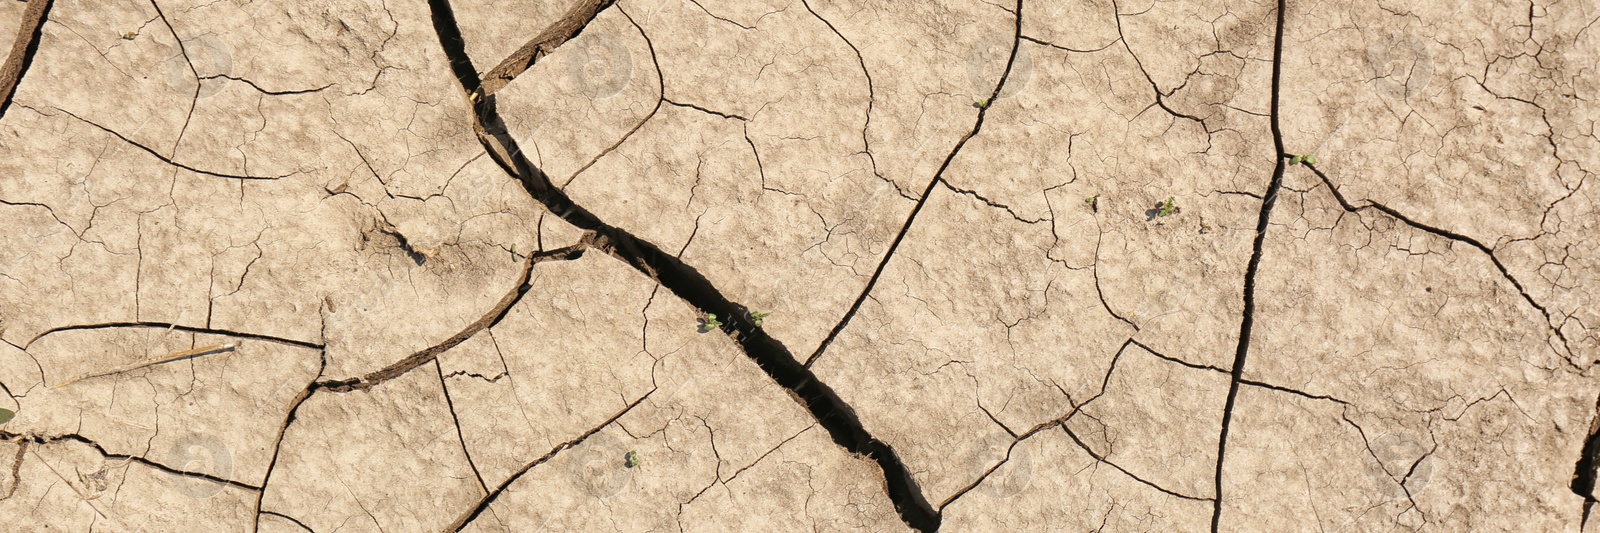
<point>5,415</point>
<point>1093,202</point>
<point>758,316</point>
<point>632,459</point>
<point>1307,159</point>
<point>1167,208</point>
<point>709,322</point>
<point>982,104</point>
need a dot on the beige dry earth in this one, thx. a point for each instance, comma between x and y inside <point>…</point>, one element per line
<point>1139,265</point>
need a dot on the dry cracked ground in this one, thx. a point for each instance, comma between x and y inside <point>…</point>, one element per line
<point>698,265</point>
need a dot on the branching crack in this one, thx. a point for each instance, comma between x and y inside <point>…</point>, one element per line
<point>1075,408</point>
<point>73,437</point>
<point>541,45</point>
<point>277,444</point>
<point>1453,236</point>
<point>169,161</point>
<point>455,420</point>
<point>683,280</point>
<point>489,319</point>
<point>1103,460</point>
<point>922,200</point>
<point>489,498</point>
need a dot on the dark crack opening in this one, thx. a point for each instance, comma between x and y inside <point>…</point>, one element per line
<point>1247,323</point>
<point>837,417</point>
<point>22,50</point>
<point>405,246</point>
<point>1584,475</point>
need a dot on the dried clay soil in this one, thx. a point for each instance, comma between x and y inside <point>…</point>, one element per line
<point>703,265</point>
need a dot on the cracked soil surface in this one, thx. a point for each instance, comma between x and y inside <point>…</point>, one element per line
<point>452,265</point>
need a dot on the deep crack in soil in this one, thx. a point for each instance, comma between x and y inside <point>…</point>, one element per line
<point>1247,323</point>
<point>683,280</point>
<point>23,49</point>
<point>1389,354</point>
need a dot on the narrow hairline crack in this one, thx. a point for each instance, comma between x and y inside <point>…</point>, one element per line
<point>74,437</point>
<point>294,520</point>
<point>661,97</point>
<point>455,420</point>
<point>283,431</point>
<point>938,177</point>
<point>167,160</point>
<point>488,499</point>
<point>176,327</point>
<point>265,91</point>
<point>730,116</point>
<point>872,99</point>
<point>1452,236</point>
<point>194,98</point>
<point>990,203</point>
<point>1061,422</point>
<point>1104,460</point>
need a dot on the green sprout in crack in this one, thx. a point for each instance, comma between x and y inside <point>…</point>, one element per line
<point>1307,159</point>
<point>709,322</point>
<point>632,459</point>
<point>1093,202</point>
<point>982,104</point>
<point>758,316</point>
<point>1167,208</point>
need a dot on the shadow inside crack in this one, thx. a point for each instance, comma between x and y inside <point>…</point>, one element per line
<point>830,411</point>
<point>1585,473</point>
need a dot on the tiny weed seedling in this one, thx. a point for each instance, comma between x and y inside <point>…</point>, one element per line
<point>1167,208</point>
<point>982,104</point>
<point>1093,202</point>
<point>757,317</point>
<point>1307,159</point>
<point>632,459</point>
<point>709,322</point>
<point>5,415</point>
